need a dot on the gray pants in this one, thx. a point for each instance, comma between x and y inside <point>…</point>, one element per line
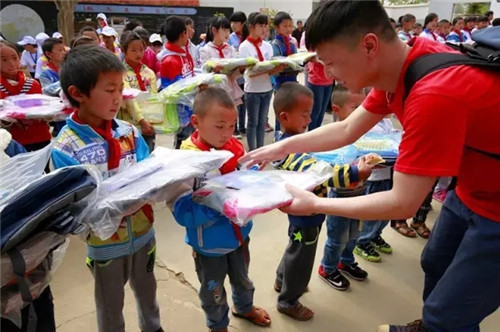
<point>110,278</point>
<point>212,272</point>
<point>295,268</point>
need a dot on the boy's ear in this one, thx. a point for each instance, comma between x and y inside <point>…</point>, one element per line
<point>283,116</point>
<point>75,93</point>
<point>335,108</point>
<point>195,121</point>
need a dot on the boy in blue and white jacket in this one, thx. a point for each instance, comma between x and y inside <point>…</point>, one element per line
<point>220,247</point>
<point>92,80</point>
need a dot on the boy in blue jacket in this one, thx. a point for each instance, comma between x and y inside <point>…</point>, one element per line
<point>293,105</point>
<point>220,247</point>
<point>92,80</point>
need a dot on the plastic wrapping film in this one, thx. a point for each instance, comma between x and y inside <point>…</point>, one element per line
<point>37,278</point>
<point>163,117</point>
<point>33,107</point>
<point>302,58</point>
<point>385,145</point>
<point>150,181</point>
<point>345,155</point>
<point>228,65</point>
<point>243,194</point>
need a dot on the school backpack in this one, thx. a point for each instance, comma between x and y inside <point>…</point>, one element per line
<point>484,53</point>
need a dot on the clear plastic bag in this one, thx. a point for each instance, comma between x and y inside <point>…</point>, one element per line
<point>228,65</point>
<point>385,145</point>
<point>241,195</point>
<point>268,65</point>
<point>302,58</point>
<point>345,155</point>
<point>149,181</point>
<point>37,279</point>
<point>33,107</point>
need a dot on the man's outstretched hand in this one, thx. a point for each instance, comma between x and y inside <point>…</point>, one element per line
<point>304,202</point>
<point>264,155</point>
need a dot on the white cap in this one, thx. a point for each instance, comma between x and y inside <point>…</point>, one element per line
<point>155,38</point>
<point>27,40</point>
<point>101,15</point>
<point>109,31</point>
<point>56,35</point>
<point>41,37</point>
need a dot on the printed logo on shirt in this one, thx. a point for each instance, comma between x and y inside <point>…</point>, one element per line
<point>91,154</point>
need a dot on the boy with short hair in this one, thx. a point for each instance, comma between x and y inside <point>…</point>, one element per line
<point>482,22</point>
<point>470,24</point>
<point>283,46</point>
<point>417,29</point>
<point>55,51</point>
<point>176,63</point>
<point>443,28</point>
<point>220,247</point>
<point>407,24</point>
<point>92,80</point>
<point>338,257</point>
<point>293,105</point>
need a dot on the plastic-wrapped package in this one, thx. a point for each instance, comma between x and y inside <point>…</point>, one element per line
<point>385,145</point>
<point>228,65</point>
<point>149,181</point>
<point>53,89</point>
<point>268,65</point>
<point>241,195</point>
<point>163,117</point>
<point>184,90</point>
<point>345,155</point>
<point>302,58</point>
<point>37,280</point>
<point>33,107</point>
<point>130,93</point>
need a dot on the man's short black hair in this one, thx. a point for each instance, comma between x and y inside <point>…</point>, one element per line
<point>173,28</point>
<point>470,19</point>
<point>286,97</point>
<point>280,17</point>
<point>483,19</point>
<point>392,20</point>
<point>299,21</point>
<point>417,25</point>
<point>456,19</point>
<point>444,21</point>
<point>82,68</point>
<point>48,45</point>
<point>488,13</point>
<point>188,21</point>
<point>238,17</point>
<point>132,24</point>
<point>349,20</point>
<point>206,98</point>
<point>88,28</point>
<point>429,18</point>
<point>495,22</point>
<point>144,33</point>
<point>257,18</point>
<point>408,18</point>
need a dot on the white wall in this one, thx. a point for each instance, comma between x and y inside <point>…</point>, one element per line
<point>300,10</point>
<point>420,11</point>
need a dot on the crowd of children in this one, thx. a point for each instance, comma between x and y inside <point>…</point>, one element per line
<point>113,134</point>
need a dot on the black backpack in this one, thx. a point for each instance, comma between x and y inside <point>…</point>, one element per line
<point>479,54</point>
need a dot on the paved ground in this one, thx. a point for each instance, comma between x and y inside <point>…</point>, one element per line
<point>392,292</point>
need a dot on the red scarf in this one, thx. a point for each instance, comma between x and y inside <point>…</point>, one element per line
<point>114,148</point>
<point>240,37</point>
<point>52,66</point>
<point>459,33</point>
<point>286,40</point>
<point>137,71</point>
<point>256,43</point>
<point>220,48</point>
<point>237,149</point>
<point>174,48</point>
<point>14,89</point>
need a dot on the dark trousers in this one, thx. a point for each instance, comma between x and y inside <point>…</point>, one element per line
<point>212,272</point>
<point>462,269</point>
<point>44,310</point>
<point>295,268</point>
<point>242,113</point>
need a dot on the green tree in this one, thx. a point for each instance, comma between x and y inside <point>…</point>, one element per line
<point>66,18</point>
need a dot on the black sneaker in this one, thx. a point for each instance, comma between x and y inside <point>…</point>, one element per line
<point>368,252</point>
<point>416,326</point>
<point>334,279</point>
<point>381,245</point>
<point>353,271</point>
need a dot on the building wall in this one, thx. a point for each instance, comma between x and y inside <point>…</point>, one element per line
<point>420,11</point>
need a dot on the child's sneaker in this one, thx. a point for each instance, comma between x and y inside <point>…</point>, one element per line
<point>368,252</point>
<point>269,128</point>
<point>353,271</point>
<point>334,279</point>
<point>381,245</point>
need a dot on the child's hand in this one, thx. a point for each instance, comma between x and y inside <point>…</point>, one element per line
<point>203,87</point>
<point>365,167</point>
<point>242,69</point>
<point>146,128</point>
<point>217,69</point>
<point>278,69</point>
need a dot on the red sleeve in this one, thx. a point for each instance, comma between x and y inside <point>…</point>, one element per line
<point>171,67</point>
<point>376,102</point>
<point>434,136</point>
<point>35,88</point>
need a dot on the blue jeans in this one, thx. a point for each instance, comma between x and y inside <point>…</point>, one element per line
<point>242,115</point>
<point>322,94</point>
<point>371,229</point>
<point>258,109</point>
<point>461,262</point>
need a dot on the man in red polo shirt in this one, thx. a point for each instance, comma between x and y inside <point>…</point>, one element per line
<point>451,128</point>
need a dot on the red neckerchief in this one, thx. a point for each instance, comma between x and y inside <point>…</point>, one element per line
<point>286,40</point>
<point>220,48</point>
<point>188,54</point>
<point>409,36</point>
<point>459,33</point>
<point>174,48</point>
<point>240,37</point>
<point>137,71</point>
<point>114,148</point>
<point>234,146</point>
<point>256,43</point>
<point>52,66</point>
<point>14,89</point>
<point>237,149</point>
